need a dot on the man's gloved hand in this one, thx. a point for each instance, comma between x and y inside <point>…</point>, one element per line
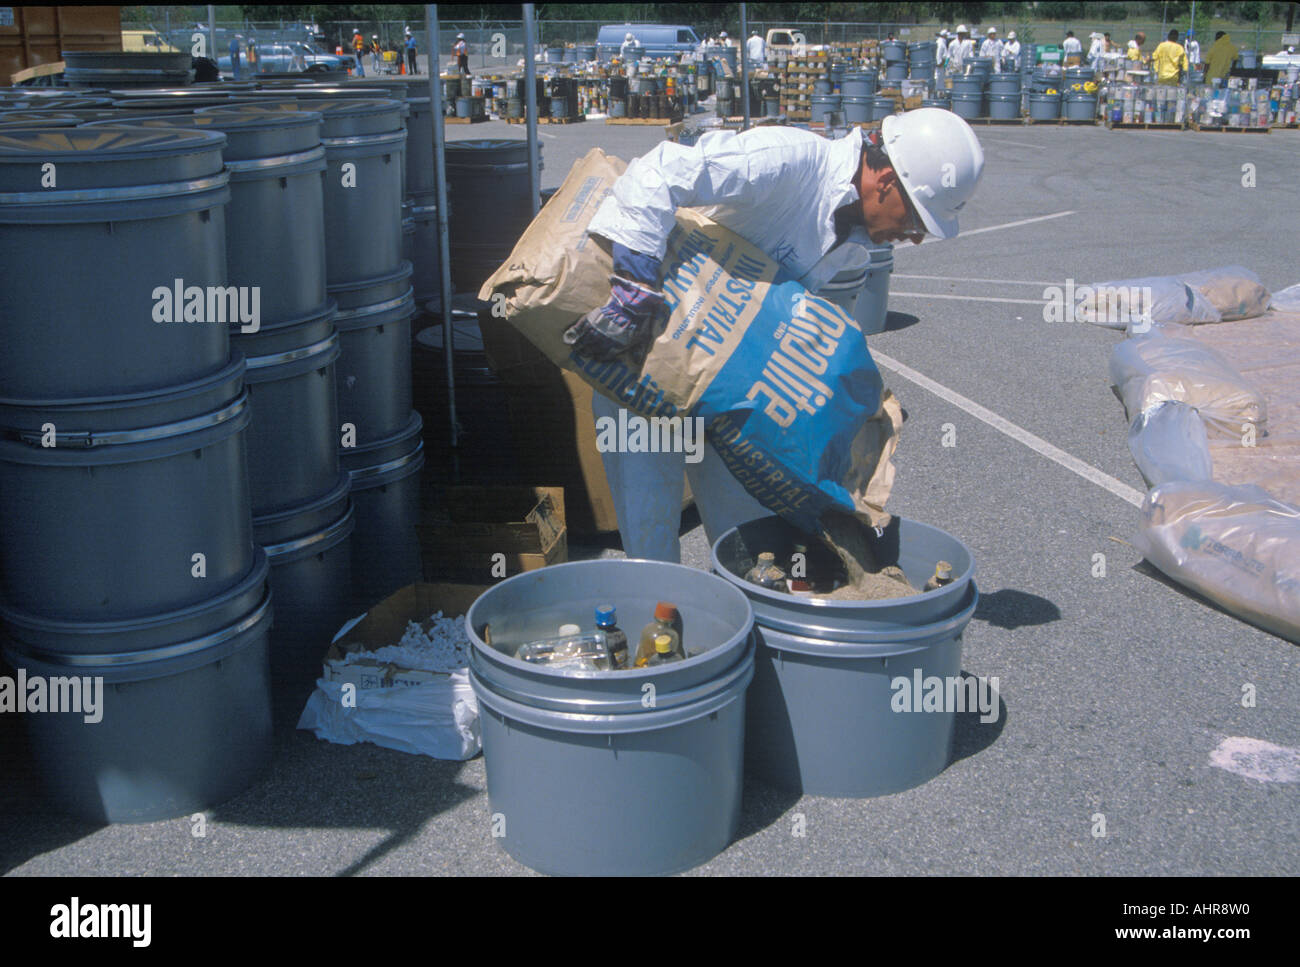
<point>619,324</point>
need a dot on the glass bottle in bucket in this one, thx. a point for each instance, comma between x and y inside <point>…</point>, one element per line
<point>665,651</point>
<point>615,637</point>
<point>766,574</point>
<point>665,616</point>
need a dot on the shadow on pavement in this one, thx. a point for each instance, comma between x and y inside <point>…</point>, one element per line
<point>899,320</point>
<point>970,735</point>
<point>1010,608</point>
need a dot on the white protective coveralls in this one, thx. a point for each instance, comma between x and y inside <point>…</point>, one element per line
<point>775,187</point>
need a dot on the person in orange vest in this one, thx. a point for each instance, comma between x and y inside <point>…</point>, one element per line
<point>359,49</point>
<point>461,50</point>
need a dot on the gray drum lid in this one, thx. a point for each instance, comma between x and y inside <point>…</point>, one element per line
<point>369,292</point>
<point>106,157</point>
<point>119,60</point>
<point>343,116</point>
<point>83,115</point>
<point>401,445</point>
<point>304,519</point>
<point>287,334</point>
<point>36,102</point>
<point>474,152</point>
<point>155,408</point>
<point>40,119</point>
<point>248,136</point>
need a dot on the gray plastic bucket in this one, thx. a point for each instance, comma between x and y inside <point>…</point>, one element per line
<point>893,51</point>
<point>820,719</point>
<point>858,84</point>
<point>771,107</point>
<point>1004,107</point>
<point>872,306</point>
<point>386,495</point>
<point>562,747</point>
<point>1247,59</point>
<point>896,72</point>
<point>968,85</point>
<point>311,581</point>
<point>1045,107</point>
<point>294,434</point>
<point>823,104</point>
<point>555,55</point>
<point>857,110</point>
<point>425,251</point>
<point>881,107</point>
<point>186,706</point>
<point>275,222</point>
<point>844,288</point>
<point>967,105</point>
<point>822,85</point>
<point>617,108</point>
<point>105,524</point>
<point>132,211</point>
<point>374,371</point>
<point>1079,106</point>
<point>942,103</point>
<point>485,175</point>
<point>1004,84</point>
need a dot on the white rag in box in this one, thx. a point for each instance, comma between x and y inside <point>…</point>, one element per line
<point>414,696</point>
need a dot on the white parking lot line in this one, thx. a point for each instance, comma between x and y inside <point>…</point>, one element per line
<point>968,298</point>
<point>990,228</point>
<point>964,278</point>
<point>1017,433</point>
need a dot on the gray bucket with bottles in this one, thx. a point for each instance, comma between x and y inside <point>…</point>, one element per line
<point>1079,106</point>
<point>1004,107</point>
<point>967,105</point>
<point>184,709</point>
<point>857,110</point>
<point>858,84</point>
<point>130,211</point>
<point>822,105</point>
<point>821,715</point>
<point>385,479</point>
<point>623,772</point>
<point>882,107</point>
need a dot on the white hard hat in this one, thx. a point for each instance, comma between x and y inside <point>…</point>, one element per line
<point>993,30</point>
<point>939,161</point>
<point>1011,35</point>
<point>628,37</point>
<point>961,29</point>
<point>723,34</point>
<point>460,36</point>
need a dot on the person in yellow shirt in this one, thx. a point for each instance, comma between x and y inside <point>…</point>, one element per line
<point>1169,60</point>
<point>1219,61</point>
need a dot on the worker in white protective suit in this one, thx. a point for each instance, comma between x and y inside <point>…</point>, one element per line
<point>754,49</point>
<point>815,206</point>
<point>992,47</point>
<point>1011,53</point>
<point>960,51</point>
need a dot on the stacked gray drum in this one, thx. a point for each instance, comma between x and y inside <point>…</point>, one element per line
<point>1003,96</point>
<point>379,433</point>
<point>275,252</point>
<point>968,95</point>
<point>858,90</point>
<point>895,54</point>
<point>486,176</point>
<point>116,68</point>
<point>126,547</point>
<point>920,61</point>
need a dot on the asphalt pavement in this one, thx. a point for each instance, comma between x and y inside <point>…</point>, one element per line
<point>1116,685</point>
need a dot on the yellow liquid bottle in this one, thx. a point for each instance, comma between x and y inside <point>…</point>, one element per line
<point>665,613</point>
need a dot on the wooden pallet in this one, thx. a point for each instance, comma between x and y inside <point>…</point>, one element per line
<point>1224,129</point>
<point>478,120</point>
<point>1285,127</point>
<point>662,122</point>
<point>1085,122</point>
<point>1145,126</point>
<point>995,120</point>
<point>553,120</point>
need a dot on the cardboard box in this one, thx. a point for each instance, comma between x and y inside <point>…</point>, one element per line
<point>384,624</point>
<point>526,524</point>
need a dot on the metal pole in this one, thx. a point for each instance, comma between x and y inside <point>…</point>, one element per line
<point>530,107</point>
<point>440,177</point>
<point>744,63</point>
<point>212,35</point>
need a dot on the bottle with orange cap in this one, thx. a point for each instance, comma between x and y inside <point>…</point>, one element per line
<point>663,625</point>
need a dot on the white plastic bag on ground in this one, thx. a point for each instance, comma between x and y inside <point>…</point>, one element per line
<point>1236,545</point>
<point>1168,443</point>
<point>438,719</point>
<point>1154,367</point>
<point>1286,300</point>
<point>1236,292</point>
<point>1137,304</point>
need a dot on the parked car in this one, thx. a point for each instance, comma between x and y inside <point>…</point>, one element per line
<point>656,40</point>
<point>280,57</point>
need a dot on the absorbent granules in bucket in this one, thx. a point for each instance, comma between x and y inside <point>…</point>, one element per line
<point>850,539</point>
<point>438,645</point>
